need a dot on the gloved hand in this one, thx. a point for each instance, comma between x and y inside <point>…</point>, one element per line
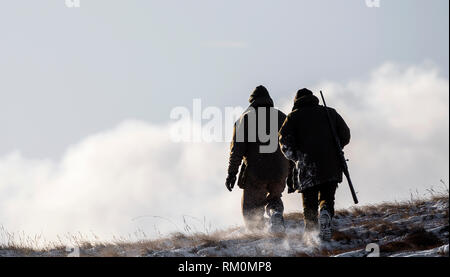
<point>229,183</point>
<point>290,184</point>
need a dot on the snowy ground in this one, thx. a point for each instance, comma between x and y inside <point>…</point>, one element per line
<point>416,228</point>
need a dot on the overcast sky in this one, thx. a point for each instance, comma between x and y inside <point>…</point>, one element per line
<point>66,73</point>
<point>86,93</point>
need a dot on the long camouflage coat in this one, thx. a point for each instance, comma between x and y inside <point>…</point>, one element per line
<point>306,139</point>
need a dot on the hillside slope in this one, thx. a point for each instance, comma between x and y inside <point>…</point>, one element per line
<point>413,228</point>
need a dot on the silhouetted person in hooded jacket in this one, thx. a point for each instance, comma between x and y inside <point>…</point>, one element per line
<point>306,140</point>
<point>264,168</point>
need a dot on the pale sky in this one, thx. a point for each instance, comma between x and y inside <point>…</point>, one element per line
<point>66,73</point>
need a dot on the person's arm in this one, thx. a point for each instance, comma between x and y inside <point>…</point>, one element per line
<point>291,178</point>
<point>237,152</point>
<point>342,130</point>
<point>288,148</point>
<point>287,139</point>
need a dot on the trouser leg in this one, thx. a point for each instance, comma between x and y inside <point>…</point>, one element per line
<point>273,198</point>
<point>326,197</point>
<point>310,208</point>
<point>275,207</point>
<point>253,202</point>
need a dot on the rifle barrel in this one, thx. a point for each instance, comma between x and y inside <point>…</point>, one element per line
<point>340,152</point>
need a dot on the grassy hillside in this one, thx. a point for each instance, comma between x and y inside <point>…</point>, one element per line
<point>414,228</point>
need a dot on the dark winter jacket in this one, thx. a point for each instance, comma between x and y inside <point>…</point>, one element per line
<point>257,167</point>
<point>306,139</point>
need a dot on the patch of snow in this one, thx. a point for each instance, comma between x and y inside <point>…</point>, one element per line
<point>435,252</point>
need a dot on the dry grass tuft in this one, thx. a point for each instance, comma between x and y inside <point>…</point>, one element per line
<point>301,255</point>
<point>416,240</point>
<point>376,221</point>
<point>341,236</point>
<point>293,216</point>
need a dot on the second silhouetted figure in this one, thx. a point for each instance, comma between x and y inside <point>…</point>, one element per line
<point>264,168</point>
<point>306,139</point>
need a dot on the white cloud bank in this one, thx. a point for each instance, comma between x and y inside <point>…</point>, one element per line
<point>108,179</point>
<point>400,136</point>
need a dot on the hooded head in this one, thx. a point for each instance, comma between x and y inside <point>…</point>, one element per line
<point>260,98</point>
<point>304,97</point>
<point>302,92</point>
